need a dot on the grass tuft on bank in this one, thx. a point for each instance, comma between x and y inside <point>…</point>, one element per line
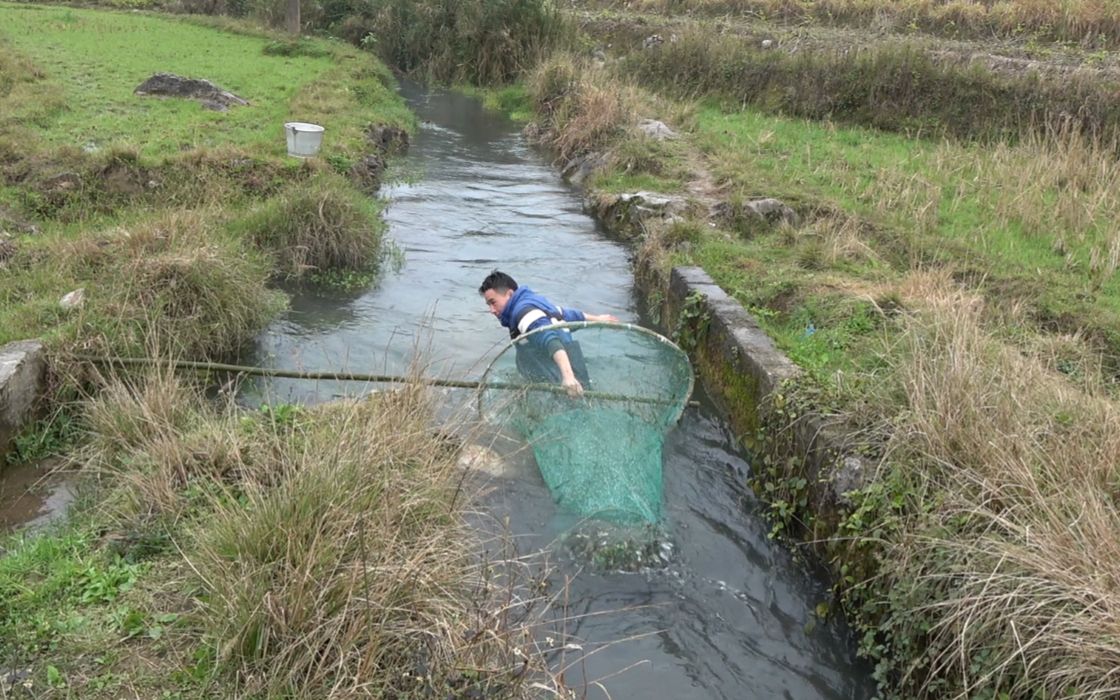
<point>319,225</point>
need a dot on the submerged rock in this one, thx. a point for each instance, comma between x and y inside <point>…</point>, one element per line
<point>481,459</point>
<point>614,547</point>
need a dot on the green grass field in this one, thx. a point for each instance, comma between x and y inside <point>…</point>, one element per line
<point>171,173</point>
<point>1004,218</point>
<point>95,59</point>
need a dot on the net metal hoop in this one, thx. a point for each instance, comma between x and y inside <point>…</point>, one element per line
<point>577,325</point>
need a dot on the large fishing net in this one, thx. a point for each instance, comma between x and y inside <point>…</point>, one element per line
<point>599,454</point>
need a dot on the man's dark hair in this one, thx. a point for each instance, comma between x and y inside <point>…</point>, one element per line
<point>498,281</point>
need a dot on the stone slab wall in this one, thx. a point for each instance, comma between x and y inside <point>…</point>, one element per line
<point>22,371</point>
<point>742,368</point>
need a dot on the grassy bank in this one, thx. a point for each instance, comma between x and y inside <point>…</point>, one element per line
<point>988,90</point>
<point>163,211</point>
<point>288,552</point>
<point>900,86</point>
<point>954,306</point>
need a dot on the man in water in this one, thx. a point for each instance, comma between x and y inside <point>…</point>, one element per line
<point>548,356</point>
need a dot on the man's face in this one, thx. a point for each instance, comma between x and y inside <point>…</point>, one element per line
<point>496,301</point>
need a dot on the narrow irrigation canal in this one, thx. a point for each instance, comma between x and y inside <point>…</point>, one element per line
<point>732,615</point>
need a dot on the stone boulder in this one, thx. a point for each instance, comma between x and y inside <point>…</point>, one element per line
<point>630,215</point>
<point>73,300</point>
<point>656,130</point>
<point>13,225</point>
<point>765,212</point>
<point>207,93</point>
<point>577,170</point>
<point>23,367</point>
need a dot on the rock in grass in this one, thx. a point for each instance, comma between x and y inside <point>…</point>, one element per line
<point>210,95</point>
<point>774,211</point>
<point>73,300</point>
<point>10,224</point>
<point>656,130</point>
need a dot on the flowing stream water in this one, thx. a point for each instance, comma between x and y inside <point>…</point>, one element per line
<point>732,614</point>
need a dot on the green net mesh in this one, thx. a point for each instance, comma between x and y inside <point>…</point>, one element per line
<point>600,454</point>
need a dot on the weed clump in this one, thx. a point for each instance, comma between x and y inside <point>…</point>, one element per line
<point>1000,578</point>
<point>320,225</point>
<point>484,42</point>
<point>296,47</point>
<point>175,284</point>
<point>326,543</point>
<point>580,108</point>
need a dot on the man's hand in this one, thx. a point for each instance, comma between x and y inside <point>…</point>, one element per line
<point>573,388</point>
<point>601,318</point>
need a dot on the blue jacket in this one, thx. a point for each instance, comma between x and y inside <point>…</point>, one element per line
<point>528,311</point>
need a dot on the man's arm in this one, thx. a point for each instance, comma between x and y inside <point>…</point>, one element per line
<point>567,376</point>
<point>601,318</point>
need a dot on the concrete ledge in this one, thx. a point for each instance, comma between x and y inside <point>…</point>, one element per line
<point>22,370</point>
<point>743,369</point>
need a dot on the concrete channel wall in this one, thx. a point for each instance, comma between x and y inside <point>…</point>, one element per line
<point>746,374</point>
<point>22,371</point>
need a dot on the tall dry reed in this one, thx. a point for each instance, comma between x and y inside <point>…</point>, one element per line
<point>1010,571</point>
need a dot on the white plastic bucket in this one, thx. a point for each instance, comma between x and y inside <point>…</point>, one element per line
<point>304,139</point>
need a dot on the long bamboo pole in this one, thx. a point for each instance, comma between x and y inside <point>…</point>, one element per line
<point>357,377</point>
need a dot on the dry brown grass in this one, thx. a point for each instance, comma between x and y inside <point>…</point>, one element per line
<point>1017,563</point>
<point>840,238</point>
<point>173,284</point>
<point>328,542</point>
<point>581,107</point>
<point>1062,180</point>
<point>1089,22</point>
